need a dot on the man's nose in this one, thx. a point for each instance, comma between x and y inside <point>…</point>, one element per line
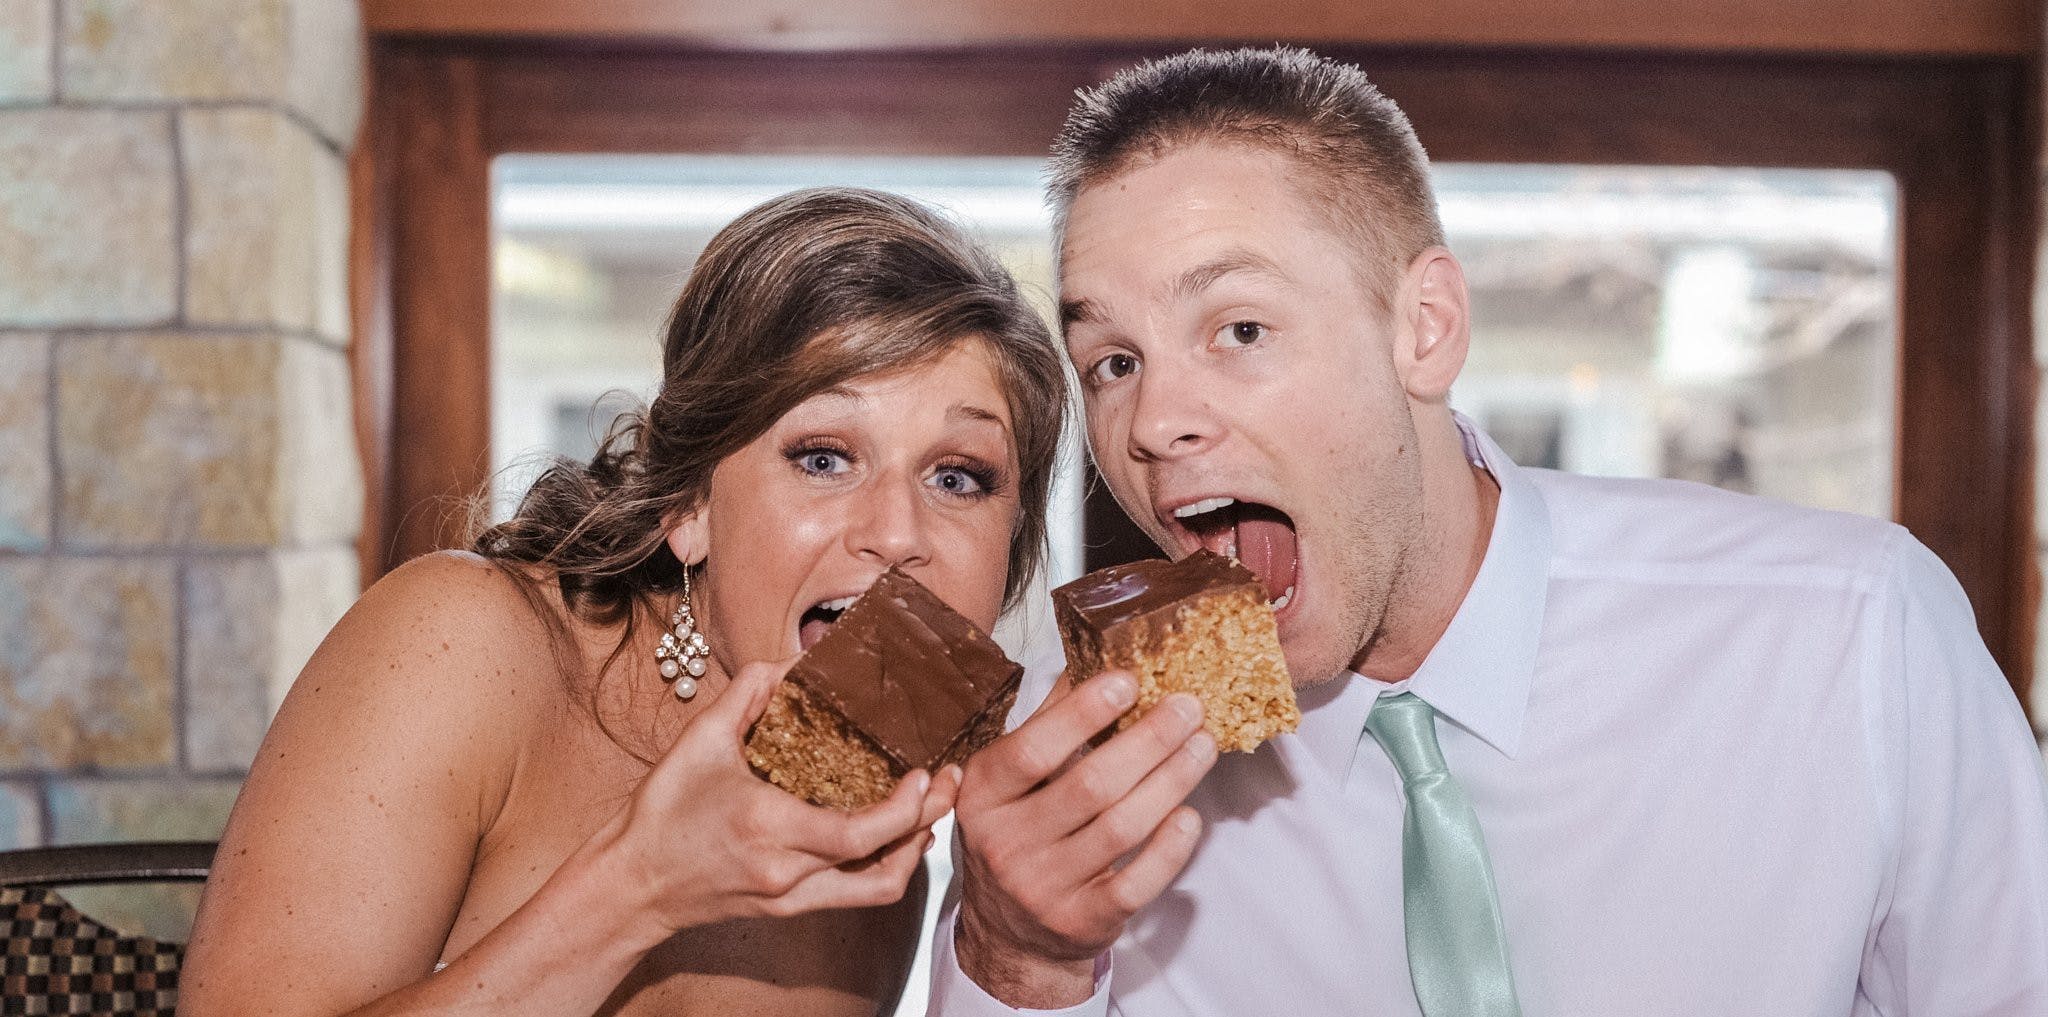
<point>1172,417</point>
<point>887,523</point>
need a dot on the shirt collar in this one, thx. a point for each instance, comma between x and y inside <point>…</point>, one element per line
<point>1479,673</point>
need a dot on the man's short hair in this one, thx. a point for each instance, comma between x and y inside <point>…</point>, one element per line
<point>1364,163</point>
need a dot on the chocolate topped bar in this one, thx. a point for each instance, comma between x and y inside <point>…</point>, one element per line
<point>900,682</point>
<point>1200,625</point>
<point>1118,594</point>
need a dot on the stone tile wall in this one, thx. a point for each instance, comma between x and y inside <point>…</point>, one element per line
<point>178,492</point>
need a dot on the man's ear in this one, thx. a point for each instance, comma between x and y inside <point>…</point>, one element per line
<point>689,534</point>
<point>1433,327</point>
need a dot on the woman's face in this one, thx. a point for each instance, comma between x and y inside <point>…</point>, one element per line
<point>916,468</point>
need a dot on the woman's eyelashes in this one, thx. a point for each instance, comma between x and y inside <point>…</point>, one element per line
<point>970,479</point>
<point>818,458</point>
<point>964,477</point>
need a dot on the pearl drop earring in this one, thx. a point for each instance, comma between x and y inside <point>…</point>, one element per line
<point>683,651</point>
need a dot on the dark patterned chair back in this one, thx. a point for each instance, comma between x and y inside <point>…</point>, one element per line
<point>57,961</point>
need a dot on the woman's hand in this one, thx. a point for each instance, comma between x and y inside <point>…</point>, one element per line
<point>709,840</point>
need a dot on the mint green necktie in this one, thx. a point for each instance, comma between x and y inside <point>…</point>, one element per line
<point>1457,950</point>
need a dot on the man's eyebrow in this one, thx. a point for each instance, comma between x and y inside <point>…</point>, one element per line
<point>1077,311</point>
<point>1202,276</point>
<point>1191,282</point>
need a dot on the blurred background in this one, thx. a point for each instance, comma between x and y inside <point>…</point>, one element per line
<point>283,282</point>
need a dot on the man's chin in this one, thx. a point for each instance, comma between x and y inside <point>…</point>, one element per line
<point>1308,667</point>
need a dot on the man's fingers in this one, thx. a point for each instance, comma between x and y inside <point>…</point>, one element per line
<point>1110,771</point>
<point>1058,691</point>
<point>1148,874</point>
<point>1138,815</point>
<point>1015,763</point>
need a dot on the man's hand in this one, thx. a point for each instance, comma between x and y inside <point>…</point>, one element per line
<point>1060,849</point>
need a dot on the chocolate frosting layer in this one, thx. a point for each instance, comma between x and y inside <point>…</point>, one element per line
<point>907,670</point>
<point>1112,596</point>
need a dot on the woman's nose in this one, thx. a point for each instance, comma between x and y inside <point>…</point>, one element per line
<point>887,524</point>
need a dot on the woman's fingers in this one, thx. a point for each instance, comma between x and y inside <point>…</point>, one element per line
<point>868,883</point>
<point>746,698</point>
<point>719,731</point>
<point>836,836</point>
<point>939,800</point>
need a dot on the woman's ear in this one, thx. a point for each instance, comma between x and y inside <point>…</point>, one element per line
<point>689,534</point>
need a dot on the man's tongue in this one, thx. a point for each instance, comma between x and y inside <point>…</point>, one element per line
<point>1265,543</point>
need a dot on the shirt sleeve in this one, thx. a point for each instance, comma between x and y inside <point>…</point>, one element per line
<point>956,995</point>
<point>1962,928</point>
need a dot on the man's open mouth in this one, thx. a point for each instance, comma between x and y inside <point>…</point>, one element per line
<point>815,622</point>
<point>1260,536</point>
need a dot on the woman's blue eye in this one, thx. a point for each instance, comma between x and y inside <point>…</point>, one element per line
<point>1243,333</point>
<point>820,462</point>
<point>954,480</point>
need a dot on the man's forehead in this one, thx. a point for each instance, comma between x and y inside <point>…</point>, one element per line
<point>1184,282</point>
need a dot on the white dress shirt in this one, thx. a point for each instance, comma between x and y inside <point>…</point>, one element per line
<point>1731,757</point>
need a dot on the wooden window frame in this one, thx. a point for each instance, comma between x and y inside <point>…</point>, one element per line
<point>1954,132</point>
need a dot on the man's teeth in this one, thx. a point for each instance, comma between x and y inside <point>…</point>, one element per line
<point>1284,599</point>
<point>838,605</point>
<point>1205,505</point>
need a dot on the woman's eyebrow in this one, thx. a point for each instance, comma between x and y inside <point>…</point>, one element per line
<point>969,411</point>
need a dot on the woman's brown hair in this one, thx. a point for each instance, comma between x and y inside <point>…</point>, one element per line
<point>802,293</point>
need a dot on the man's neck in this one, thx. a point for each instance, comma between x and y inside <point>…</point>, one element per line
<point>1459,503</point>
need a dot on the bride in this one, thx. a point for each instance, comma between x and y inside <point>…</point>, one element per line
<point>488,792</point>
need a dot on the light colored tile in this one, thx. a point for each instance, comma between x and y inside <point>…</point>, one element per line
<point>324,77</point>
<point>169,439</point>
<point>87,233</point>
<point>85,662</point>
<point>26,498</point>
<point>27,42</point>
<point>150,50</point>
<point>266,239</point>
<point>319,471</point>
<point>21,815</point>
<point>251,625</point>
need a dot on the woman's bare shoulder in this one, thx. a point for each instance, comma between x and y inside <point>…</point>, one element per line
<point>389,759</point>
<point>448,648</point>
<point>454,618</point>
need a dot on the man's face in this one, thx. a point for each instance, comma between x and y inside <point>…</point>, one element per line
<point>1241,388</point>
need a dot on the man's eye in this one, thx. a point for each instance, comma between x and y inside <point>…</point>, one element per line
<point>1241,333</point>
<point>1114,366</point>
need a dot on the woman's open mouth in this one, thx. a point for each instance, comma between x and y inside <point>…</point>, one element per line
<point>1259,536</point>
<point>815,622</point>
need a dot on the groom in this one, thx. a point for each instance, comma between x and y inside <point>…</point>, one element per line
<point>1569,746</point>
